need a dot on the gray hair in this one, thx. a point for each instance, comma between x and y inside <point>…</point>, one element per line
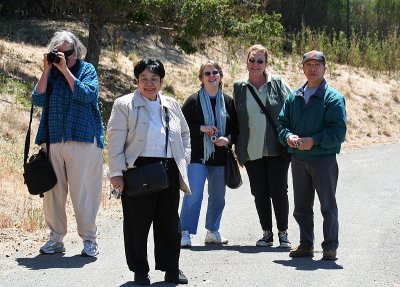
<point>65,36</point>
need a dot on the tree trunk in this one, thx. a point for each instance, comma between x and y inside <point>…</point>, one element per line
<point>96,26</point>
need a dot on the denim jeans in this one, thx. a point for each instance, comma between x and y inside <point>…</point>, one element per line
<point>191,205</point>
<point>320,175</point>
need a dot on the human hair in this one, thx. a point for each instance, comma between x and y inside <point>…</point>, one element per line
<point>213,64</point>
<point>155,66</point>
<point>61,37</point>
<point>258,47</point>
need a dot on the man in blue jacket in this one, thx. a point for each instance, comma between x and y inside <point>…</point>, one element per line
<point>313,126</point>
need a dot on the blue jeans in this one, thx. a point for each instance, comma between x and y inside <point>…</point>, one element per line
<point>191,205</point>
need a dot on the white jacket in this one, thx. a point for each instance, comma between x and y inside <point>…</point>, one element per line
<point>127,132</point>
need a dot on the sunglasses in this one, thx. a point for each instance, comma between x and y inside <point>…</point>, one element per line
<point>209,73</point>
<point>259,61</point>
<point>68,53</point>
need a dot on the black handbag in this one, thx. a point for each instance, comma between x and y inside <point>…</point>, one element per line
<point>150,178</point>
<point>39,175</point>
<point>233,178</point>
<point>286,156</point>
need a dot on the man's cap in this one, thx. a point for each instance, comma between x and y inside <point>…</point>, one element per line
<point>314,55</point>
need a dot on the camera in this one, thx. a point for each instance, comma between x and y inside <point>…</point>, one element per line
<point>297,143</point>
<point>52,57</point>
<point>214,138</point>
<point>116,193</point>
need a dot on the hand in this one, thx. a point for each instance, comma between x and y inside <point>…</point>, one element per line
<point>47,66</point>
<point>306,143</point>
<point>62,65</point>
<point>292,140</point>
<point>222,141</point>
<point>117,182</point>
<point>209,130</point>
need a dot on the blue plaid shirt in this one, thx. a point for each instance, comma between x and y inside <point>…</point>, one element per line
<point>73,116</point>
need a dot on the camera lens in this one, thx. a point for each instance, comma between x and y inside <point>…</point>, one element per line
<point>52,57</point>
<point>214,138</point>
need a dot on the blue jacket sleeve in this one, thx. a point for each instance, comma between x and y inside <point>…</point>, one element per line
<point>38,99</point>
<point>86,86</point>
<point>284,130</point>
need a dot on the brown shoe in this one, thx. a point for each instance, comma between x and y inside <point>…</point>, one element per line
<point>301,251</point>
<point>329,254</point>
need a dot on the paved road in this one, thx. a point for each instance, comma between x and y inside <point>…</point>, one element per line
<point>369,209</point>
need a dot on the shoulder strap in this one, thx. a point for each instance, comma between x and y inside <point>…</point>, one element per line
<point>166,134</point>
<point>263,108</point>
<point>46,125</point>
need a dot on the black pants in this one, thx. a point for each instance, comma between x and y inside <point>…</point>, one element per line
<point>161,209</point>
<point>268,180</point>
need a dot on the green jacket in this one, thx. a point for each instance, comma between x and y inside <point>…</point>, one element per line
<point>323,119</point>
<point>277,95</point>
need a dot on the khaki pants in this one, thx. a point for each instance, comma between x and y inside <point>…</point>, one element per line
<point>79,169</point>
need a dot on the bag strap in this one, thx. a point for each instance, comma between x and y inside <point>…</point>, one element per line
<point>264,110</point>
<point>46,126</point>
<point>166,134</point>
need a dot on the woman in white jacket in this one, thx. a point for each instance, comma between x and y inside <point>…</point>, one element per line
<point>136,137</point>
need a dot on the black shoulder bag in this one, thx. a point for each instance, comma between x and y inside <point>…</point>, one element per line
<point>39,174</point>
<point>286,156</point>
<point>149,178</point>
<point>233,178</point>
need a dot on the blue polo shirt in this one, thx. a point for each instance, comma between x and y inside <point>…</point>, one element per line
<point>73,116</point>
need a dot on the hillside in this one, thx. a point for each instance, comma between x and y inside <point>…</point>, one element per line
<point>372,100</point>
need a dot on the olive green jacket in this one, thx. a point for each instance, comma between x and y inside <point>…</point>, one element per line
<point>277,92</point>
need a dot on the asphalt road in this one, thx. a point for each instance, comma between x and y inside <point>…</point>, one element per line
<point>369,209</point>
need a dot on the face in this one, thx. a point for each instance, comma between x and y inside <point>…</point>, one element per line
<point>149,84</point>
<point>256,63</point>
<point>314,71</point>
<point>67,48</point>
<point>211,78</point>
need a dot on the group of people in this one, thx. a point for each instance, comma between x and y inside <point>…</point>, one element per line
<point>261,119</point>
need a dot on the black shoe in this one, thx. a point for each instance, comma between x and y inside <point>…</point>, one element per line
<point>178,278</point>
<point>142,278</point>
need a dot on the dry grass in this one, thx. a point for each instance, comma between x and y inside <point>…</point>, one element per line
<point>373,108</point>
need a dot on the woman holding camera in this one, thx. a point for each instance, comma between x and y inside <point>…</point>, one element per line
<point>211,117</point>
<point>76,140</point>
<point>137,137</point>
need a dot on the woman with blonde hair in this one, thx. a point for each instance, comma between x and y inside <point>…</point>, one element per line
<point>257,147</point>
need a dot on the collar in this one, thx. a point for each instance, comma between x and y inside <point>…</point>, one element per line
<point>139,101</point>
<point>320,92</point>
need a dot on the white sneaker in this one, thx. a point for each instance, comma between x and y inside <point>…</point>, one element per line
<point>186,240</point>
<point>214,237</point>
<point>90,249</point>
<point>52,247</point>
<point>284,240</point>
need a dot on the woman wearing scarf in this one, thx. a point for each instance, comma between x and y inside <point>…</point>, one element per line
<point>212,121</point>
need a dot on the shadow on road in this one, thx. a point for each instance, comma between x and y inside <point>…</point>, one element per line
<point>238,248</point>
<point>160,283</point>
<point>54,261</point>
<point>308,264</point>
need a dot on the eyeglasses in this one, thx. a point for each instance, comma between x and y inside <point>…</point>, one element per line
<point>253,61</point>
<point>209,73</point>
<point>68,53</point>
<point>313,65</point>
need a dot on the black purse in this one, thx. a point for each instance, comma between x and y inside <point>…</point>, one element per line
<point>39,175</point>
<point>233,178</point>
<point>150,178</point>
<point>286,156</point>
